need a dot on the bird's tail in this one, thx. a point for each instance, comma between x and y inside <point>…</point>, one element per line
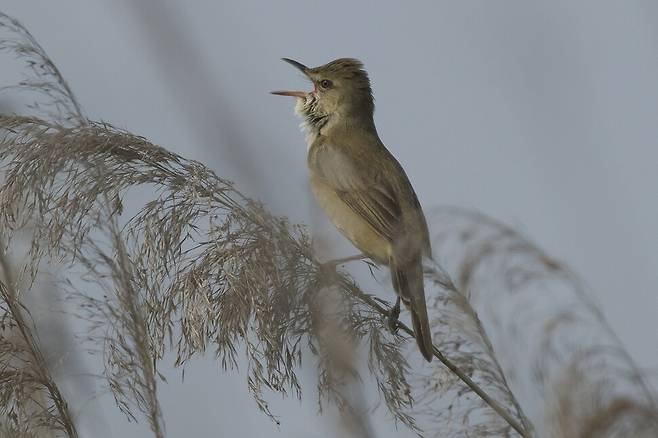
<point>408,283</point>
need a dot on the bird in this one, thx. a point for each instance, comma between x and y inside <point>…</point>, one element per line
<point>360,185</point>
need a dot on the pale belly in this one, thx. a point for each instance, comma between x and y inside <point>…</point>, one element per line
<point>351,225</point>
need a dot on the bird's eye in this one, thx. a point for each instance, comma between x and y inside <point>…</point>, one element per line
<point>326,83</point>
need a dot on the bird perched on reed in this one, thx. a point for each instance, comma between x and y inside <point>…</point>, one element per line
<point>360,185</point>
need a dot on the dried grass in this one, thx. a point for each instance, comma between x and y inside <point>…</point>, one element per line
<point>211,268</point>
<point>30,401</point>
<point>552,343</point>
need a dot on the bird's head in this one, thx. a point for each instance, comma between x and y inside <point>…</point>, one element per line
<point>341,90</point>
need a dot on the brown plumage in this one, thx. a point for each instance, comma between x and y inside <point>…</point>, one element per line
<point>360,185</point>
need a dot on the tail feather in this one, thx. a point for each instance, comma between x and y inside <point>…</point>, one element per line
<point>421,325</point>
<point>408,283</point>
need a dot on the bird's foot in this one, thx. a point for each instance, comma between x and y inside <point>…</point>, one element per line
<point>331,265</point>
<point>393,317</point>
<point>344,260</point>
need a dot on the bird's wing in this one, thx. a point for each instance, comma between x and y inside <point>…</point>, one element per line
<point>369,194</point>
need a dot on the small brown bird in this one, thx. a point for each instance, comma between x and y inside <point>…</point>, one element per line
<point>360,185</point>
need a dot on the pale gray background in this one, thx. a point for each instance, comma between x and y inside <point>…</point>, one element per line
<point>541,114</point>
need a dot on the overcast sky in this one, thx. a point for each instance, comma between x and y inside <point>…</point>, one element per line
<point>540,114</point>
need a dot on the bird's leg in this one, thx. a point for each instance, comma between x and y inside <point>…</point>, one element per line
<point>330,266</point>
<point>393,316</point>
<point>333,263</point>
<point>348,259</point>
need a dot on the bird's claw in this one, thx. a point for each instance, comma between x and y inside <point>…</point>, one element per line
<point>332,265</point>
<point>393,317</point>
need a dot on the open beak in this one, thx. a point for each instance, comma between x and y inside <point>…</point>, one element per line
<point>301,67</point>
